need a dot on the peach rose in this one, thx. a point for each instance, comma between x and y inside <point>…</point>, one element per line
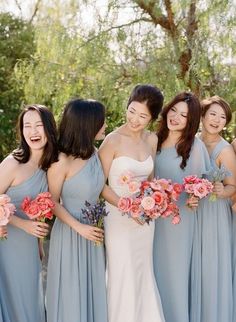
<point>148,203</point>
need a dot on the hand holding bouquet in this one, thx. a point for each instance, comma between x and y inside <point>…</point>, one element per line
<point>151,199</point>
<point>7,209</point>
<point>95,215</point>
<point>40,208</point>
<point>196,187</point>
<point>217,176</point>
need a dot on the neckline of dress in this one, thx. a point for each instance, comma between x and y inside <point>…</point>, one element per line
<point>124,156</point>
<point>26,180</point>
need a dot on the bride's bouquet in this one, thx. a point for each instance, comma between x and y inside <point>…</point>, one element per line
<point>150,199</point>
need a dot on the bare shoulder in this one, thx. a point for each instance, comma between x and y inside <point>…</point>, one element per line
<point>111,141</point>
<point>151,137</point>
<point>62,163</point>
<point>10,164</point>
<point>227,152</point>
<point>234,145</point>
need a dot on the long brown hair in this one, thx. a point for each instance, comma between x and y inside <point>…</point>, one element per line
<point>50,152</point>
<point>186,139</point>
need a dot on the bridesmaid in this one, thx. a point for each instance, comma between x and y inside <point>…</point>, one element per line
<point>76,269</point>
<point>215,218</point>
<point>23,174</point>
<point>234,246</point>
<point>176,258</point>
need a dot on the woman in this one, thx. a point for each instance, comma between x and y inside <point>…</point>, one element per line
<point>76,268</point>
<point>215,219</point>
<point>234,245</point>
<point>23,174</point>
<point>176,261</point>
<point>132,292</point>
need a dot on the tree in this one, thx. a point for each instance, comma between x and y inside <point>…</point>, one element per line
<point>16,42</point>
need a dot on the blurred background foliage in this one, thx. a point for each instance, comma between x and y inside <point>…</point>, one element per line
<point>53,50</point>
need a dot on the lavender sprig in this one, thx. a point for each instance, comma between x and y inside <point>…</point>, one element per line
<point>95,213</point>
<point>217,175</point>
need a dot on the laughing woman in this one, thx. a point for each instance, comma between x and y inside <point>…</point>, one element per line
<point>215,218</point>
<point>76,268</point>
<point>176,257</point>
<point>23,174</point>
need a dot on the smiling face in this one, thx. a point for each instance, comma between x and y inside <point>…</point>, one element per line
<point>177,117</point>
<point>215,119</point>
<point>33,130</point>
<point>137,116</point>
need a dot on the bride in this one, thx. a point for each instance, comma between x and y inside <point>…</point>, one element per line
<point>132,292</point>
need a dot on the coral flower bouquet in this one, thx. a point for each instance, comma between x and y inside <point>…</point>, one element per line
<point>149,200</point>
<point>7,209</point>
<point>40,208</point>
<point>197,187</point>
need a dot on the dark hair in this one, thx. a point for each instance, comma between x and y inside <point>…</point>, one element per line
<point>80,123</point>
<point>150,95</point>
<point>193,119</point>
<point>206,104</point>
<point>50,152</point>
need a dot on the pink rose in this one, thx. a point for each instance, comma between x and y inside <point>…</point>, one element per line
<point>148,203</point>
<point>134,186</point>
<point>165,184</point>
<point>145,185</point>
<point>125,178</point>
<point>4,199</point>
<point>4,216</point>
<point>124,204</point>
<point>135,211</point>
<point>33,210</point>
<point>191,179</point>
<point>155,185</point>
<point>200,190</point>
<point>158,197</point>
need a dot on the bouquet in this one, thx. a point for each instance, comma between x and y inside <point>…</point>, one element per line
<point>217,175</point>
<point>197,187</point>
<point>150,199</point>
<point>7,209</point>
<point>95,214</point>
<point>40,208</point>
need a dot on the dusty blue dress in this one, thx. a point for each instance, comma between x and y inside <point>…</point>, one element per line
<point>176,252</point>
<point>234,266</point>
<point>76,290</point>
<point>215,224</point>
<point>21,296</point>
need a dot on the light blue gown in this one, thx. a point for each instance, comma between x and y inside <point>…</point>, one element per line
<point>21,295</point>
<point>76,290</point>
<point>176,252</point>
<point>234,266</point>
<point>215,224</point>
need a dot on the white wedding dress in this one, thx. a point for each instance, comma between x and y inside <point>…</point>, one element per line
<point>132,291</point>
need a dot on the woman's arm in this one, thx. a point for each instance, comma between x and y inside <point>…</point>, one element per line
<point>56,177</point>
<point>226,189</point>
<point>107,153</point>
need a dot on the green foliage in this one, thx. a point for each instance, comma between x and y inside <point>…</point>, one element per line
<point>16,42</point>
